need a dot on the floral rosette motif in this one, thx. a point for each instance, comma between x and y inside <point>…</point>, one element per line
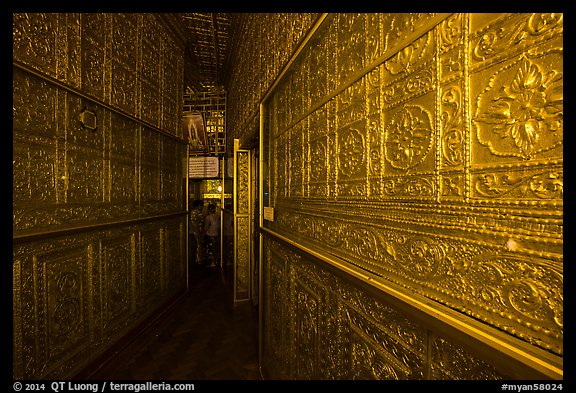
<point>408,137</point>
<point>520,112</point>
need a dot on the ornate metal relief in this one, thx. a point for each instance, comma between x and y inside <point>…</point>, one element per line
<point>451,363</point>
<point>384,344</point>
<point>74,295</point>
<point>466,276</point>
<point>242,275</point>
<point>306,330</point>
<point>53,303</point>
<point>266,33</point>
<point>275,314</point>
<point>320,326</point>
<point>119,267</point>
<point>242,227</point>
<point>408,137</point>
<point>79,293</point>
<point>49,43</point>
<point>430,156</point>
<point>519,112</point>
<point>517,117</point>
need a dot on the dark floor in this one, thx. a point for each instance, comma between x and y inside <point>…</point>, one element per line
<point>205,336</point>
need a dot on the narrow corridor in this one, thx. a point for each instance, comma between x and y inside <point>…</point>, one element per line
<point>203,337</point>
<point>390,186</point>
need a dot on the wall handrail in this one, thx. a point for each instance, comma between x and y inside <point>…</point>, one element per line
<point>53,81</point>
<point>512,354</point>
<point>92,227</point>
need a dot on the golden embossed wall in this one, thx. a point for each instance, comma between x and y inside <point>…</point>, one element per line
<point>99,211</point>
<point>422,155</point>
<point>261,46</point>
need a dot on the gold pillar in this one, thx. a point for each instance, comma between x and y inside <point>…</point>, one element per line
<point>242,223</point>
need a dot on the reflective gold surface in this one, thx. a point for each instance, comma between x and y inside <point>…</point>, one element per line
<point>242,224</point>
<point>267,40</point>
<point>108,201</point>
<point>425,151</point>
<point>422,151</point>
<point>320,326</point>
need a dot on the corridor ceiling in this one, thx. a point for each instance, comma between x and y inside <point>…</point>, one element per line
<point>207,45</point>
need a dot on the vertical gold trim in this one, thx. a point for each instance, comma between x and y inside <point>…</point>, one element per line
<point>260,236</point>
<point>467,126</point>
<point>243,215</point>
<point>187,229</point>
<point>235,209</point>
<point>222,193</point>
<point>437,125</point>
<point>250,229</point>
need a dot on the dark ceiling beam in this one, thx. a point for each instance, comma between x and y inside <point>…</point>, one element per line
<point>175,23</point>
<point>207,47</point>
<point>191,71</point>
<point>236,21</point>
<point>216,49</point>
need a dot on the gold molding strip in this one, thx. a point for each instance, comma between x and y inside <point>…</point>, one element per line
<point>26,68</point>
<point>424,310</point>
<point>187,220</point>
<point>360,218</point>
<point>87,228</point>
<point>261,162</point>
<point>244,215</point>
<point>261,154</point>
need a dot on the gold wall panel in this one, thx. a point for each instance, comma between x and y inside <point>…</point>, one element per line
<point>449,362</point>
<point>79,287</point>
<point>76,295</point>
<point>425,150</point>
<point>65,175</point>
<point>258,62</point>
<point>318,325</point>
<point>119,271</point>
